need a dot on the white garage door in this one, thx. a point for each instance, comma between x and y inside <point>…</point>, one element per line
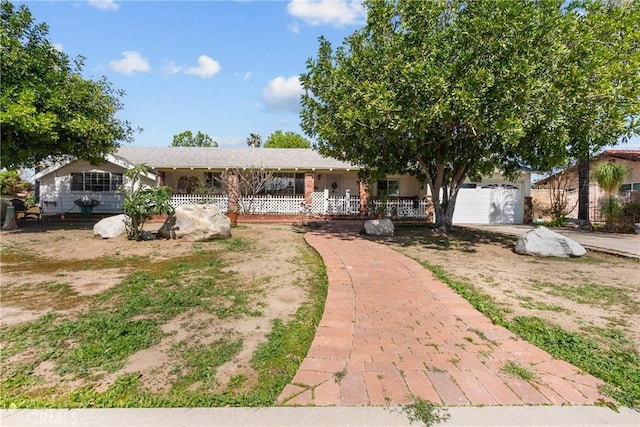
<point>489,204</point>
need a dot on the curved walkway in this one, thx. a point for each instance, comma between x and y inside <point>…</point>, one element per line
<point>391,330</point>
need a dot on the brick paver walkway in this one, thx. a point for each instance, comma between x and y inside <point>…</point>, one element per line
<point>391,330</point>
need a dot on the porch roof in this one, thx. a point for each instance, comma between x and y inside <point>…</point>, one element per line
<point>221,158</point>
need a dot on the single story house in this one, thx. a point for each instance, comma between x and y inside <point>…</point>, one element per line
<point>629,190</point>
<point>303,181</point>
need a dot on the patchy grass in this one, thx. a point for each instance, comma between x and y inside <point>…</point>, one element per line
<point>517,371</point>
<point>85,345</point>
<point>589,293</point>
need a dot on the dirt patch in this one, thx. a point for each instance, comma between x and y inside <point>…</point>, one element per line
<point>270,266</point>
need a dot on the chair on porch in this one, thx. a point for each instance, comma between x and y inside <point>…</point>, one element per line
<point>24,213</point>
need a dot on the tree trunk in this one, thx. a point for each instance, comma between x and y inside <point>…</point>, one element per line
<point>583,189</point>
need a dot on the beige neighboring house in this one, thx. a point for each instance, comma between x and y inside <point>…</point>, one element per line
<point>305,181</point>
<point>629,191</point>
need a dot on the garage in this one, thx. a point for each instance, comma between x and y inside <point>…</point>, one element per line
<point>489,204</point>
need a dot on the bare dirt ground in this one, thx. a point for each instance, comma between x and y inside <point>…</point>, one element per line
<point>271,266</point>
<point>589,295</point>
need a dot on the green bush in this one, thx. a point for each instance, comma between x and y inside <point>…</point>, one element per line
<point>628,215</point>
<point>11,183</point>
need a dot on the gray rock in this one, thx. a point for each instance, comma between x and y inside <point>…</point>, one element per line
<point>110,227</point>
<point>196,223</point>
<point>543,242</point>
<point>379,227</point>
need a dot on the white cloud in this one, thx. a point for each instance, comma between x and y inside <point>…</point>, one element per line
<point>294,27</point>
<point>171,67</point>
<point>131,63</point>
<point>334,12</point>
<point>207,67</point>
<point>283,94</point>
<point>58,47</point>
<point>104,4</point>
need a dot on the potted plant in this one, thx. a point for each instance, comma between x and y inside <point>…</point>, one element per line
<point>232,213</point>
<point>86,204</point>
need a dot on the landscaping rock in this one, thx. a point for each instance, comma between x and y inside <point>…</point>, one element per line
<point>196,223</point>
<point>543,242</point>
<point>110,227</point>
<point>379,227</point>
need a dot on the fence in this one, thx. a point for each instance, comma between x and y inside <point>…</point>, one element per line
<point>322,204</point>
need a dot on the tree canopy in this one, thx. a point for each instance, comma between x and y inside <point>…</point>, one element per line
<point>280,139</point>
<point>48,111</point>
<point>453,90</point>
<point>186,139</point>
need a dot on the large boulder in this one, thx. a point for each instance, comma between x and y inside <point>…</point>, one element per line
<point>379,227</point>
<point>110,227</point>
<point>196,223</point>
<point>543,242</point>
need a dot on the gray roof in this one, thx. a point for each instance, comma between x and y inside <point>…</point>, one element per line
<point>220,158</point>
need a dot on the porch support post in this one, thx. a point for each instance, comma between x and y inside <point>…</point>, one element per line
<point>309,184</point>
<point>234,193</point>
<point>160,178</point>
<point>364,197</point>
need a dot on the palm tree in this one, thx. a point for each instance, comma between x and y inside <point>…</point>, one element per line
<point>609,176</point>
<point>254,140</point>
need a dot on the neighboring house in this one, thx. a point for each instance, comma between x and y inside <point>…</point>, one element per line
<point>629,190</point>
<point>306,182</point>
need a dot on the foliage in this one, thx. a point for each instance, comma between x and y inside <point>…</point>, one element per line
<point>630,214</point>
<point>609,176</point>
<point>141,201</point>
<point>456,89</point>
<point>48,111</point>
<point>429,414</point>
<point>186,139</point>
<point>278,139</point>
<point>254,140</point>
<point>11,182</point>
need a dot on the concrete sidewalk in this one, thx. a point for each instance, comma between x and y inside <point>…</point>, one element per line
<point>620,244</point>
<point>515,416</point>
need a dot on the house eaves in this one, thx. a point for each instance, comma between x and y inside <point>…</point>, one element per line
<point>225,158</point>
<point>109,158</point>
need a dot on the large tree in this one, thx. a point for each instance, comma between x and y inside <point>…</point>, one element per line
<point>446,90</point>
<point>602,105</point>
<point>47,110</point>
<point>186,139</point>
<point>280,139</point>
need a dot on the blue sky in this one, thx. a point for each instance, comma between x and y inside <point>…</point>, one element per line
<point>225,68</point>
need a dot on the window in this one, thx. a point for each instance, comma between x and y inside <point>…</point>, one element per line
<point>212,179</point>
<point>389,187</point>
<point>629,187</point>
<point>286,183</point>
<point>95,181</point>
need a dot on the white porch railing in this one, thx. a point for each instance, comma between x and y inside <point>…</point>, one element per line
<point>322,204</point>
